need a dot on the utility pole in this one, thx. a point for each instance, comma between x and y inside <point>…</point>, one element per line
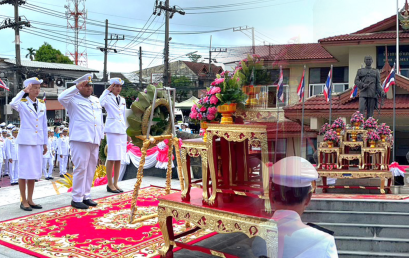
<point>215,50</point>
<point>241,29</point>
<point>169,12</point>
<point>106,49</point>
<point>140,67</point>
<point>17,24</point>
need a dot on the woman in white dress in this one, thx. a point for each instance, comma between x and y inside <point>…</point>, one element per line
<point>32,139</point>
<point>115,129</point>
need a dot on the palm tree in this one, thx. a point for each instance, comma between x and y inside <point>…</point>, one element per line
<point>31,53</point>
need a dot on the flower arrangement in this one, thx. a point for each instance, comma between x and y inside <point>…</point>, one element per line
<point>389,139</point>
<point>331,136</point>
<point>384,129</point>
<point>253,64</point>
<point>206,108</point>
<point>357,117</point>
<point>338,123</point>
<point>373,136</point>
<point>324,129</point>
<point>370,123</point>
<point>230,88</point>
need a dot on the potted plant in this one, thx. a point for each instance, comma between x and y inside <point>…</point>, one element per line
<point>384,131</point>
<point>230,94</point>
<point>325,127</point>
<point>331,138</point>
<point>357,119</point>
<point>372,138</point>
<point>370,124</point>
<point>206,109</point>
<point>338,125</point>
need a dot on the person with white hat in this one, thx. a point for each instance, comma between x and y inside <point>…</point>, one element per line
<point>48,157</point>
<point>86,133</point>
<point>10,126</point>
<point>291,193</point>
<point>12,157</point>
<point>63,147</point>
<point>115,129</point>
<point>185,128</point>
<point>5,137</point>
<point>2,153</point>
<point>2,125</point>
<point>32,139</point>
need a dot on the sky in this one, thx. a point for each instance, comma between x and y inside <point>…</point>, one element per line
<point>275,22</point>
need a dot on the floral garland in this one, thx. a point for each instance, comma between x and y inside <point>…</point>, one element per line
<point>384,129</point>
<point>325,127</point>
<point>357,117</point>
<point>338,123</point>
<point>370,123</point>
<point>331,136</point>
<point>373,136</point>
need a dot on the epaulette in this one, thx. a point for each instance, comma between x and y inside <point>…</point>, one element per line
<point>42,101</point>
<point>24,100</point>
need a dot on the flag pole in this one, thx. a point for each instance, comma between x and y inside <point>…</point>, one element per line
<point>394,120</point>
<point>330,98</point>
<point>302,118</point>
<point>278,119</point>
<point>397,71</point>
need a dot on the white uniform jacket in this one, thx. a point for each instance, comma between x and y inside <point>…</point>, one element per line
<point>2,151</point>
<point>295,239</point>
<point>33,127</point>
<point>86,124</point>
<point>63,146</point>
<point>115,122</point>
<point>50,149</point>
<point>12,148</point>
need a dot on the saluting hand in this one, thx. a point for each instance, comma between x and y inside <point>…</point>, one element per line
<point>28,88</point>
<point>45,149</point>
<point>81,85</point>
<point>111,87</point>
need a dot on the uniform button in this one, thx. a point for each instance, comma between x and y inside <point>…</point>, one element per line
<point>37,119</point>
<point>36,125</point>
<point>36,131</point>
<point>95,125</point>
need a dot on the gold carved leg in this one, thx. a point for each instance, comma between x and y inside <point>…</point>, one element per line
<point>265,174</point>
<point>165,227</point>
<point>169,172</point>
<point>185,191</point>
<point>205,176</point>
<point>179,163</point>
<point>212,168</point>
<point>383,185</point>
<point>139,176</point>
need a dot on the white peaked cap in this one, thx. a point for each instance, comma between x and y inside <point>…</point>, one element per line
<point>15,129</point>
<point>33,80</point>
<point>294,172</point>
<point>10,126</point>
<point>117,81</point>
<point>86,77</point>
<point>3,124</point>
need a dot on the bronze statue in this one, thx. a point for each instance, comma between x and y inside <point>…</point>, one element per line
<point>368,81</point>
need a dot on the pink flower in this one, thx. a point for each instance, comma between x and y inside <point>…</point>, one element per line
<point>218,81</point>
<point>199,116</point>
<point>222,74</point>
<point>193,115</point>
<point>206,99</point>
<point>69,190</point>
<point>210,117</point>
<point>212,110</point>
<point>214,100</point>
<point>238,79</point>
<point>245,60</point>
<point>193,109</point>
<point>256,56</point>
<point>215,90</point>
<point>203,109</point>
<point>213,84</point>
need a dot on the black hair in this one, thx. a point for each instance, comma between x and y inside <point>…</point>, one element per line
<point>25,95</point>
<point>289,195</point>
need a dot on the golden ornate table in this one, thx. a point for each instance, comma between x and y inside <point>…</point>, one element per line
<point>351,144</point>
<point>349,157</point>
<point>246,216</point>
<point>330,151</point>
<point>351,131</point>
<point>367,152</point>
<point>234,139</point>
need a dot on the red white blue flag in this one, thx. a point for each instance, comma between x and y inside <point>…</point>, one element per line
<point>301,87</point>
<point>3,85</point>
<point>389,81</point>
<point>44,98</point>
<point>328,86</point>
<point>354,92</point>
<point>280,86</point>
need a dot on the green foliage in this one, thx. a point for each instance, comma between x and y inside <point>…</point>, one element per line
<point>261,73</point>
<point>181,83</point>
<point>46,53</point>
<point>31,53</point>
<point>102,155</point>
<point>231,89</point>
<point>194,57</point>
<point>130,95</point>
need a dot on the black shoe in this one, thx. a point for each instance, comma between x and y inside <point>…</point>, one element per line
<point>90,202</point>
<point>47,178</point>
<point>109,190</point>
<point>6,175</point>
<point>79,205</point>
<point>62,176</point>
<point>36,180</point>
<point>37,206</point>
<point>120,190</point>
<point>51,178</point>
<point>25,208</point>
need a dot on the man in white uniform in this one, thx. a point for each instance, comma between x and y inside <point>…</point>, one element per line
<point>86,132</point>
<point>63,151</point>
<point>48,157</point>
<point>12,156</point>
<point>2,153</point>
<point>291,194</point>
<point>5,171</point>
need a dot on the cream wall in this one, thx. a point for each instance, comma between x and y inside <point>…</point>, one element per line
<point>356,59</point>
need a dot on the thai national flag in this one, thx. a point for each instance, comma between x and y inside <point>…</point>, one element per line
<point>44,98</point>
<point>301,87</point>
<point>389,81</point>
<point>354,92</point>
<point>3,85</point>
<point>328,86</point>
<point>280,86</point>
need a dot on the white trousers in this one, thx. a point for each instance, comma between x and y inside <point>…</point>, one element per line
<point>1,169</point>
<point>85,157</point>
<point>50,163</point>
<point>63,164</point>
<point>13,171</point>
<point>6,167</point>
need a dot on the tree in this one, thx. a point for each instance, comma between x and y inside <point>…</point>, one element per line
<point>46,53</point>
<point>31,53</point>
<point>194,57</point>
<point>182,85</point>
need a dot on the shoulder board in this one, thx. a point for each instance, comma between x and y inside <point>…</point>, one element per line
<point>42,101</point>
<point>24,100</point>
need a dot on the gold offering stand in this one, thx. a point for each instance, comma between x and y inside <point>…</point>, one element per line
<point>355,138</point>
<point>148,140</point>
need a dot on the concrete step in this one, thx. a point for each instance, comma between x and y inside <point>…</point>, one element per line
<point>360,254</point>
<point>360,205</point>
<point>356,217</point>
<point>367,230</point>
<point>370,244</point>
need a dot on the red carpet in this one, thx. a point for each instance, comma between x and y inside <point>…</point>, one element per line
<point>361,196</point>
<point>100,232</point>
